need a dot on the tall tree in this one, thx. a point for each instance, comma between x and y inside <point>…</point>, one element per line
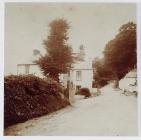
<point>120,53</point>
<point>119,56</point>
<point>58,57</point>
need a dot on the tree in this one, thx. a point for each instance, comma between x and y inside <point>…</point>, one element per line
<point>119,56</point>
<point>102,73</point>
<point>120,53</point>
<point>58,57</point>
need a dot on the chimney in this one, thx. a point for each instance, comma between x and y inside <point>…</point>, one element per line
<point>36,53</point>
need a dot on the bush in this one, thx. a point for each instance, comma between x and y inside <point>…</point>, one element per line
<point>84,91</point>
<point>28,96</point>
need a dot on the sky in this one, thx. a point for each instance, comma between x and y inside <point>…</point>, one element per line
<point>91,24</point>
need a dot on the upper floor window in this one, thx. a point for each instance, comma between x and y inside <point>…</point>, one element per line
<point>78,75</point>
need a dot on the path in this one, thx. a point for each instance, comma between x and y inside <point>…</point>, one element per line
<point>110,114</point>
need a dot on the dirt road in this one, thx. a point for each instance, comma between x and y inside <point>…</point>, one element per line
<point>110,114</point>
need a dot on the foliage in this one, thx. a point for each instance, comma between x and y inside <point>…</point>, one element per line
<point>84,91</point>
<point>102,73</point>
<point>28,96</point>
<point>58,57</point>
<point>119,56</point>
<point>120,53</point>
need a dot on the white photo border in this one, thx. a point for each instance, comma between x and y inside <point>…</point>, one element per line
<point>2,5</point>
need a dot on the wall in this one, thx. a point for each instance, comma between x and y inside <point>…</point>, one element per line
<point>87,78</point>
<point>33,69</point>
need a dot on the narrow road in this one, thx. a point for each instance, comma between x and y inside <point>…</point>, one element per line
<point>110,114</point>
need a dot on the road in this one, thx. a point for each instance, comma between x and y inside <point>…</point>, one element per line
<point>110,114</point>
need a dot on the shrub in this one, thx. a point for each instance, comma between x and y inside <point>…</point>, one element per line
<point>84,91</point>
<point>28,96</point>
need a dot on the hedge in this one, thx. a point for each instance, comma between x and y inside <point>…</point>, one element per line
<point>28,96</point>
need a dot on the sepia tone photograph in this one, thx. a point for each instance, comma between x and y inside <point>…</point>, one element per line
<point>70,69</point>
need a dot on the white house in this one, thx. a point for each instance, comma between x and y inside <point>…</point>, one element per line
<point>81,72</point>
<point>80,75</point>
<point>129,80</point>
<point>28,67</point>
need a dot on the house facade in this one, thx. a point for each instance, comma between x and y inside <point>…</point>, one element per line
<point>29,68</point>
<point>80,75</point>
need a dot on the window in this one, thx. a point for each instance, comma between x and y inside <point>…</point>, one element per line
<point>78,75</point>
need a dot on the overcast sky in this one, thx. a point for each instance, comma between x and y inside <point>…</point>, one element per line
<point>93,25</point>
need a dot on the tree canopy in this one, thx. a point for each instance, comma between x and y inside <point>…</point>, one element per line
<point>58,57</point>
<point>119,54</point>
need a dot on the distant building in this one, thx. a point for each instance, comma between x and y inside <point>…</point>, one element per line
<point>29,67</point>
<point>129,80</point>
<point>81,72</point>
